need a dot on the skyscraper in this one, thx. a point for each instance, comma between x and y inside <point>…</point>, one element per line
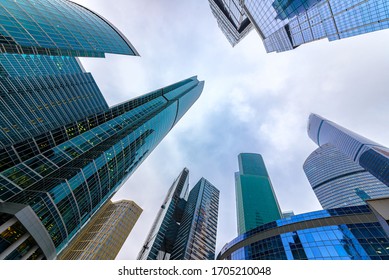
<point>369,155</point>
<point>186,225</point>
<point>338,181</point>
<point>103,237</point>
<point>231,19</point>
<point>63,186</point>
<point>196,237</point>
<point>256,202</point>
<point>284,25</point>
<point>160,240</point>
<point>63,152</point>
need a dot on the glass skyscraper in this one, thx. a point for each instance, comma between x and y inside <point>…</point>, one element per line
<point>160,240</point>
<point>256,202</point>
<point>186,225</point>
<point>338,181</point>
<point>347,233</point>
<point>231,19</point>
<point>284,25</point>
<point>63,152</point>
<point>87,161</point>
<point>369,155</point>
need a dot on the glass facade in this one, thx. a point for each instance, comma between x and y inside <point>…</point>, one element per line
<point>231,19</point>
<point>58,27</point>
<point>369,155</point>
<point>67,183</point>
<point>196,238</point>
<point>40,93</point>
<point>186,224</point>
<point>348,233</point>
<point>160,241</point>
<point>338,181</point>
<point>256,203</point>
<point>284,25</point>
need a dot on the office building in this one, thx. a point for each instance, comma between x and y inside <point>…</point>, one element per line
<point>160,241</point>
<point>231,19</point>
<point>104,235</point>
<point>62,187</point>
<point>256,202</point>
<point>58,27</point>
<point>60,163</point>
<point>371,156</point>
<point>186,224</point>
<point>338,181</point>
<point>196,237</point>
<point>347,233</point>
<point>284,25</point>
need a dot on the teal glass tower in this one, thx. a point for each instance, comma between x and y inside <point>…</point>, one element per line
<point>65,185</point>
<point>256,202</point>
<point>63,151</point>
<point>284,25</point>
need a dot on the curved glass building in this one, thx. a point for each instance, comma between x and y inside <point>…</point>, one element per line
<point>369,155</point>
<point>58,27</point>
<point>338,181</point>
<point>348,233</point>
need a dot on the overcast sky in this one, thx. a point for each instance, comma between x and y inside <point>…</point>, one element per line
<point>252,102</point>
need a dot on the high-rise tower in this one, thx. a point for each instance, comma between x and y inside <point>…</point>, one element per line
<point>338,181</point>
<point>62,187</point>
<point>103,237</point>
<point>286,24</point>
<point>369,155</point>
<point>186,225</point>
<point>63,152</point>
<point>196,237</point>
<point>256,202</point>
<point>160,240</point>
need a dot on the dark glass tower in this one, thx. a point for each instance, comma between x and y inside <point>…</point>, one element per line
<point>186,225</point>
<point>286,24</point>
<point>196,238</point>
<point>256,203</point>
<point>160,241</point>
<point>63,152</point>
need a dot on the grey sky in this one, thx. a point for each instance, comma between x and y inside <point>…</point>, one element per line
<point>252,102</point>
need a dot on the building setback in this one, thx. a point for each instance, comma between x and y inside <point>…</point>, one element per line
<point>256,202</point>
<point>186,225</point>
<point>284,25</point>
<point>103,237</point>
